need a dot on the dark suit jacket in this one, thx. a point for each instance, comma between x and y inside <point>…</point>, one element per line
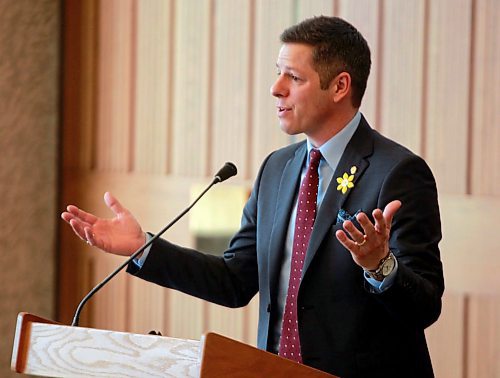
<point>345,328</point>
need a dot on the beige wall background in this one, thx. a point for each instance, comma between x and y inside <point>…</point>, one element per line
<point>159,93</point>
<point>29,128</point>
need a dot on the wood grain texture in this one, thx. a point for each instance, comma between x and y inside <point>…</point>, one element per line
<point>62,351</point>
<point>465,251</point>
<point>312,8</point>
<point>193,93</point>
<point>80,88</point>
<point>226,321</point>
<point>30,64</point>
<point>187,316</point>
<point>152,79</point>
<point>447,357</point>
<point>402,72</point>
<point>251,319</point>
<point>114,122</point>
<point>21,346</point>
<point>192,97</point>
<point>247,361</point>
<point>447,100</point>
<point>483,335</point>
<point>272,17</point>
<point>231,99</point>
<point>365,16</point>
<point>485,134</point>
<point>109,307</point>
<point>148,307</point>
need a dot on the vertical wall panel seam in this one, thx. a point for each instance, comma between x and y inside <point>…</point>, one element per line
<point>170,89</point>
<point>166,314</point>
<point>472,103</point>
<point>249,133</point>
<point>246,324</point>
<point>250,90</point>
<point>131,133</point>
<point>129,307</point>
<point>170,46</point>
<point>104,157</point>
<point>205,316</point>
<point>91,277</point>
<point>133,85</point>
<point>295,12</point>
<point>59,183</point>
<point>335,7</point>
<point>465,336</point>
<point>210,87</point>
<point>380,61</point>
<point>95,85</point>
<point>425,69</point>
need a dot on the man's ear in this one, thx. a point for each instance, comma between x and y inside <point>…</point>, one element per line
<point>341,86</point>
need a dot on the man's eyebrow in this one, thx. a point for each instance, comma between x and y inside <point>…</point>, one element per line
<point>286,66</point>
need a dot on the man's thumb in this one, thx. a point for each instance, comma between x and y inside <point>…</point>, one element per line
<point>113,204</point>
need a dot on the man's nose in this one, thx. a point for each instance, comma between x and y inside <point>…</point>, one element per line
<point>278,89</point>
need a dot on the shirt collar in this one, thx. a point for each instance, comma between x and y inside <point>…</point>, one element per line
<point>333,149</point>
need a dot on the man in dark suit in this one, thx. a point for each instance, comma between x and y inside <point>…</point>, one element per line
<point>369,280</point>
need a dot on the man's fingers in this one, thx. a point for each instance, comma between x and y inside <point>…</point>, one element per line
<point>354,233</point>
<point>113,204</point>
<point>345,241</point>
<point>78,228</point>
<point>380,224</point>
<point>89,236</point>
<point>367,225</point>
<point>67,216</point>
<point>81,214</point>
<point>383,220</point>
<point>390,210</point>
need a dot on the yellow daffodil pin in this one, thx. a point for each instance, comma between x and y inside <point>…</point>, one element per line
<point>346,181</point>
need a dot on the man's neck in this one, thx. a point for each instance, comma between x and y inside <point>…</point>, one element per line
<point>334,127</point>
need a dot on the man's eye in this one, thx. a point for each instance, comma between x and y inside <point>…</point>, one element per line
<point>289,75</point>
<point>293,77</point>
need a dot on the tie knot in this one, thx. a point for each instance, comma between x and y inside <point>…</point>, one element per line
<point>314,157</point>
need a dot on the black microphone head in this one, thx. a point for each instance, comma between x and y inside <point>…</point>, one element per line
<point>228,170</point>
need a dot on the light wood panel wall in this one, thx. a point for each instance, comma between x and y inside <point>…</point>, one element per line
<point>484,97</point>
<point>30,53</point>
<point>403,69</point>
<point>159,93</point>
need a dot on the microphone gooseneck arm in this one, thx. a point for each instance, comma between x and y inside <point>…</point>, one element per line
<point>227,171</point>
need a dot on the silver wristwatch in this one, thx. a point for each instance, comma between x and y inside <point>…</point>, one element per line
<point>384,268</point>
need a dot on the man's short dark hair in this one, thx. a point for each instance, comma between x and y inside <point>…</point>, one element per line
<point>337,47</point>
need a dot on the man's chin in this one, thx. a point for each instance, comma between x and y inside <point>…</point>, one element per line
<point>288,129</point>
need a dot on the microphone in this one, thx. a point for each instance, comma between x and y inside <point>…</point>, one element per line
<point>227,171</point>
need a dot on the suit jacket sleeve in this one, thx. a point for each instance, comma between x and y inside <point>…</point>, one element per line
<point>416,231</point>
<point>230,280</point>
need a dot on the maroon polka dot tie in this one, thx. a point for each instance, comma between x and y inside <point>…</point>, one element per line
<point>304,221</point>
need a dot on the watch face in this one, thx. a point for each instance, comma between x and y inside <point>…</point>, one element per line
<point>388,266</point>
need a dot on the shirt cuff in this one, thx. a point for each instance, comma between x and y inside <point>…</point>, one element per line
<point>140,261</point>
<point>386,283</point>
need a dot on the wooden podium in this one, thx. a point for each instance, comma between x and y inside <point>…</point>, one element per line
<point>44,348</point>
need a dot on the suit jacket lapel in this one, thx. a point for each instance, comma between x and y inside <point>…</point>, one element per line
<point>357,150</point>
<point>290,180</point>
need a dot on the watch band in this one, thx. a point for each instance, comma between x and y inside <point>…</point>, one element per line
<point>379,273</point>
